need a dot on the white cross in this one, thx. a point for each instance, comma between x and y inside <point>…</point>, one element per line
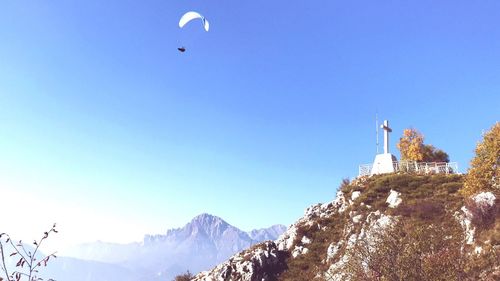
<point>387,130</point>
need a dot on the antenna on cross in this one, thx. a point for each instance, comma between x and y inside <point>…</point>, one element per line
<point>376,129</point>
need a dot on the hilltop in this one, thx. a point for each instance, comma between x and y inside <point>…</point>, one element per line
<point>414,227</point>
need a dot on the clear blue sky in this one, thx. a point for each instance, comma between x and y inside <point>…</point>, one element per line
<point>261,117</point>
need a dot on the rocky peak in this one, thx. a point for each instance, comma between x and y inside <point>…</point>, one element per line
<point>209,226</point>
<point>204,226</point>
<point>207,219</point>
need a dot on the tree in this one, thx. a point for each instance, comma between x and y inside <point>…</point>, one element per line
<point>411,145</point>
<point>27,266</point>
<point>412,148</point>
<point>432,154</point>
<point>184,277</point>
<point>484,171</point>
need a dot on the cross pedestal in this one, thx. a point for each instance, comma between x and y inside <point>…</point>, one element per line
<point>384,163</point>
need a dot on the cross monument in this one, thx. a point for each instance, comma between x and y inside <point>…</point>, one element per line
<point>384,162</point>
<point>387,130</point>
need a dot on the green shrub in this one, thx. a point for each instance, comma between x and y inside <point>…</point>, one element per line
<point>421,209</point>
<point>184,277</point>
<point>451,187</point>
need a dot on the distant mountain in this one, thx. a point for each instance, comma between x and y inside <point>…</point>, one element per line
<point>202,243</point>
<point>271,233</point>
<point>205,234</point>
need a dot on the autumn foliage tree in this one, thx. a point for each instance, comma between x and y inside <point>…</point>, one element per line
<point>484,171</point>
<point>28,263</point>
<point>412,148</point>
<point>411,145</point>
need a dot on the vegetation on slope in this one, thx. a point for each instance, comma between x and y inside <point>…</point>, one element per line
<point>484,173</point>
<point>399,226</point>
<point>425,234</point>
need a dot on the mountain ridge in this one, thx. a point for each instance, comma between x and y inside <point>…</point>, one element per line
<point>200,244</point>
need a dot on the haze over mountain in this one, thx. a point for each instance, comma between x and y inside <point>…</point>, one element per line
<point>71,269</point>
<point>202,243</point>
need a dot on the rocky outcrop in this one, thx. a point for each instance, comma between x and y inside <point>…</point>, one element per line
<point>263,262</point>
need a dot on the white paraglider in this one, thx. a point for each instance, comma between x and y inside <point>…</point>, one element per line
<point>189,16</point>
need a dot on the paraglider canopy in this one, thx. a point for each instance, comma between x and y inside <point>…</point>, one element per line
<point>189,16</point>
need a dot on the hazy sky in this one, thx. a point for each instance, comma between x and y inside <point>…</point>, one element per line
<point>108,130</point>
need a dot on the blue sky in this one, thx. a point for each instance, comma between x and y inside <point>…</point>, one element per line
<point>102,118</point>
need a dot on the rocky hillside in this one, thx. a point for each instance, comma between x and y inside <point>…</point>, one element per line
<point>386,227</point>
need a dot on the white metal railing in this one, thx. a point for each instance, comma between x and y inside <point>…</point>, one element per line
<point>415,167</point>
<point>365,169</point>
